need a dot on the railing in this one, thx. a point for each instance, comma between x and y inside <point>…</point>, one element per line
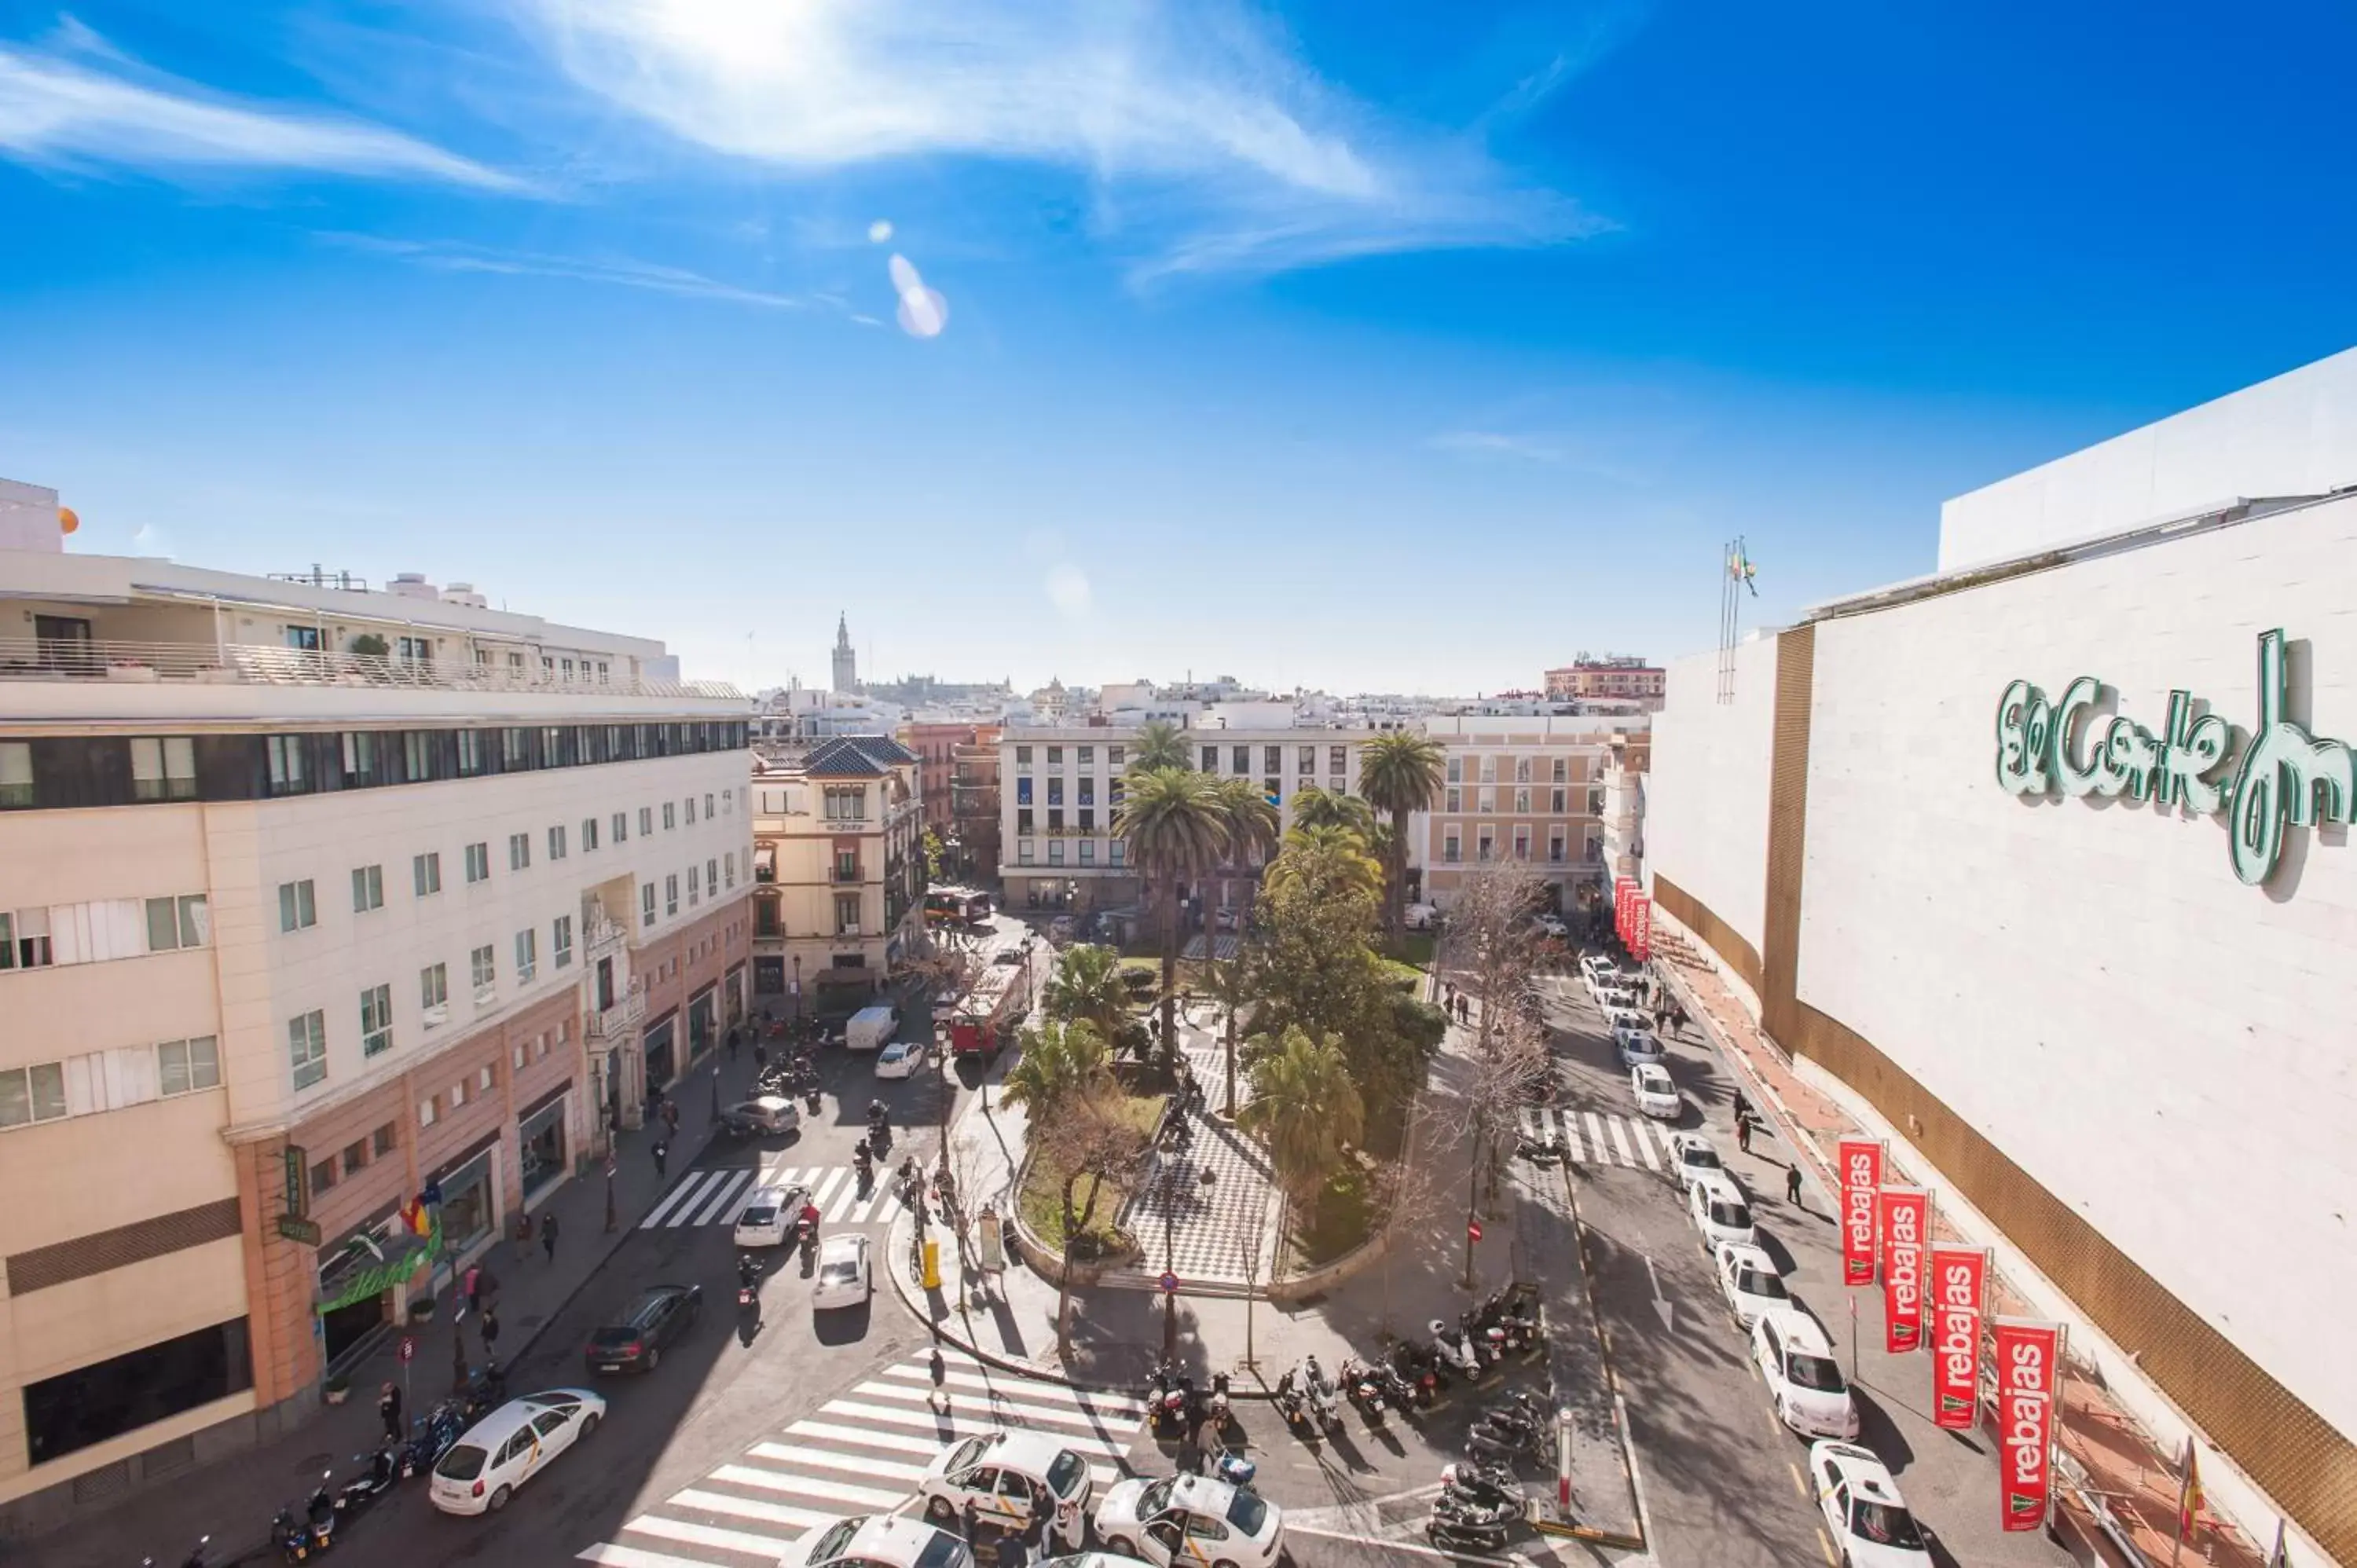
<point>55,659</point>
<point>622,1016</point>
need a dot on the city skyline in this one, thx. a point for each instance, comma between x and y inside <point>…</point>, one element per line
<point>578,305</point>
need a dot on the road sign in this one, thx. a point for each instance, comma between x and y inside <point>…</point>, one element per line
<point>408,1348</point>
<point>1473,1229</point>
<point>1170,1282</point>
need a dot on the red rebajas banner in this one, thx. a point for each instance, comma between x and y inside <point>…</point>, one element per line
<point>1860,1173</point>
<point>1905,1216</point>
<point>2028,1366</point>
<point>1955,1300</point>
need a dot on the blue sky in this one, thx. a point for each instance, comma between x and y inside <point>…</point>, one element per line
<point>1369,346</point>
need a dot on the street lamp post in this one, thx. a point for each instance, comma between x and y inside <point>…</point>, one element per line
<point>797,995</point>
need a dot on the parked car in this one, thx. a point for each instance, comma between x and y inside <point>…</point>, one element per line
<point>1637,1045</point>
<point>870,1027</point>
<point>508,1447</point>
<point>634,1342</point>
<point>902,1058</point>
<point>763,1116</point>
<point>1872,1527</point>
<point>1592,967</point>
<point>1657,1094</point>
<point>1720,1212</point>
<point>1550,926</point>
<point>1189,1520</point>
<point>877,1540</point>
<point>769,1215</point>
<point>1001,1473</point>
<point>1811,1396</point>
<point>1748,1279</point>
<point>1692,1157</point>
<point>844,1278</point>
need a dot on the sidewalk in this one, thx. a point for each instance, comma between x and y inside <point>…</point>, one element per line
<point>2123,1465</point>
<point>232,1499</point>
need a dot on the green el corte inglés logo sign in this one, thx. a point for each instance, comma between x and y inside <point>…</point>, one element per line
<point>2281,776</point>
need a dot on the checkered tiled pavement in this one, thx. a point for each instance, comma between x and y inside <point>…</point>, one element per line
<point>1216,1226</point>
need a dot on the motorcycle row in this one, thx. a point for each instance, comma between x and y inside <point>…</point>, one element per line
<point>1175,1405</point>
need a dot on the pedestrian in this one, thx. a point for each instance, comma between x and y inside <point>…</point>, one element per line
<point>491,1333</point>
<point>548,1233</point>
<point>522,1235</point>
<point>732,1042</point>
<point>671,1115</point>
<point>760,1057</point>
<point>1793,1183</point>
<point>474,1289</point>
<point>1743,1133</point>
<point>663,1153</point>
<point>388,1410</point>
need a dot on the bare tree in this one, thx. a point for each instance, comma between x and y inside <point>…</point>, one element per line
<point>1255,1233</point>
<point>1500,1078</point>
<point>1491,943</point>
<point>1411,1195</point>
<point>1089,1144</point>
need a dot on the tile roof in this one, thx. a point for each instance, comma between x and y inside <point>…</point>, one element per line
<point>857,757</point>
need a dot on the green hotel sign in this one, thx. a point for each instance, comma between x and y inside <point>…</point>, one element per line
<point>2281,775</point>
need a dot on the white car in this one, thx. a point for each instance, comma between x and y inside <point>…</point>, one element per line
<point>1692,1157</point>
<point>1656,1094</point>
<point>769,1215</point>
<point>1637,1045</point>
<point>1749,1280</point>
<point>877,1540</point>
<point>1001,1474</point>
<point>1793,1355</point>
<point>508,1447</point>
<point>1612,991</point>
<point>902,1058</point>
<point>1421,917</point>
<point>1870,1524</point>
<point>844,1278</point>
<point>1550,926</point>
<point>1191,1521</point>
<point>1721,1213</point>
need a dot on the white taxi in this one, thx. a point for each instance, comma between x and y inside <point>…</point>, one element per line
<point>1004,1476</point>
<point>1656,1094</point>
<point>877,1540</point>
<point>1793,1355</point>
<point>510,1446</point>
<point>1637,1044</point>
<point>1870,1524</point>
<point>1721,1213</point>
<point>902,1058</point>
<point>844,1277</point>
<point>1748,1279</point>
<point>1191,1521</point>
<point>1692,1157</point>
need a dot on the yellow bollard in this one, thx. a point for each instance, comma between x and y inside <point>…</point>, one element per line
<point>932,1264</point>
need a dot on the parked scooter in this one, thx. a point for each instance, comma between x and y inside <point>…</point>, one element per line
<point>1483,1484</point>
<point>1364,1387</point>
<point>299,1539</point>
<point>1418,1365</point>
<point>431,1436</point>
<point>1458,1509</point>
<point>1457,1352</point>
<point>1453,1535</point>
<point>1288,1398</point>
<point>1218,1408</point>
<point>383,1473</point>
<point>1492,1442</point>
<point>1319,1392</point>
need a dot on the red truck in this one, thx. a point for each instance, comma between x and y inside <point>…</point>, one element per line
<point>988,1015</point>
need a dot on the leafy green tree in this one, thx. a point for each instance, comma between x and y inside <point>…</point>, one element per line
<point>1305,1109</point>
<point>1316,970</point>
<point>1092,1139</point>
<point>1060,1062</point>
<point>1329,858</point>
<point>1174,825</point>
<point>1399,770</point>
<point>1316,808</point>
<point>933,852</point>
<point>1159,744</point>
<point>1235,984</point>
<point>1087,987</point>
<point>1252,825</point>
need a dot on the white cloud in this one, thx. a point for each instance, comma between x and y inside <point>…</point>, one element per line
<point>1069,591</point>
<point>450,257</point>
<point>61,112</point>
<point>1227,151</point>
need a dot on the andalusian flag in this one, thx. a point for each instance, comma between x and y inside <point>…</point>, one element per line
<point>1739,568</point>
<point>2188,1495</point>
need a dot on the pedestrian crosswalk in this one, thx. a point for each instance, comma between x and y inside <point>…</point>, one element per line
<point>715,1197</point>
<point>1600,1138</point>
<point>862,1453</point>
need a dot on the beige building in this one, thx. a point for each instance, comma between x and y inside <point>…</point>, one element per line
<point>839,869</point>
<point>314,901</point>
<point>1530,789</point>
<point>1615,678</point>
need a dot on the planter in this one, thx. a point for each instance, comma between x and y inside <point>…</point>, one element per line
<point>337,1391</point>
<point>422,1310</point>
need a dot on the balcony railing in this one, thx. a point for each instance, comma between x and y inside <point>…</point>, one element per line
<point>623,1016</point>
<point>55,659</point>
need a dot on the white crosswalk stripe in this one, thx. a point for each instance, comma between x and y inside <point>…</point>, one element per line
<point>715,1197</point>
<point>862,1453</point>
<point>1612,1140</point>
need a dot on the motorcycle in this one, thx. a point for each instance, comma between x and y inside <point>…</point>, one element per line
<point>1220,1414</point>
<point>1491,1443</point>
<point>297,1540</point>
<point>1325,1400</point>
<point>749,1283</point>
<point>1169,1394</point>
<point>1365,1390</point>
<point>487,1390</point>
<point>1407,1395</point>
<point>1457,1352</point>
<point>431,1436</point>
<point>1489,1485</point>
<point>1286,1397</point>
<point>383,1473</point>
<point>1419,1365</point>
<point>1456,1535</point>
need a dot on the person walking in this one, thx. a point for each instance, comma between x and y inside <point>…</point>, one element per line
<point>1793,1183</point>
<point>388,1410</point>
<point>548,1233</point>
<point>671,1115</point>
<point>760,1059</point>
<point>732,1042</point>
<point>662,1153</point>
<point>474,1289</point>
<point>491,1334</point>
<point>1743,1133</point>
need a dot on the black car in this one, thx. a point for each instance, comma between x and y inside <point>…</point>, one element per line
<point>635,1343</point>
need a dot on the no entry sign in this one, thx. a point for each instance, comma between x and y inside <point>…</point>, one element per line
<point>1473,1229</point>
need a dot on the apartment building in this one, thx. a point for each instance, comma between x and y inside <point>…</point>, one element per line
<point>1061,789</point>
<point>973,842</point>
<point>1615,678</point>
<point>335,926</point>
<point>839,869</point>
<point>938,744</point>
<point>1527,788</point>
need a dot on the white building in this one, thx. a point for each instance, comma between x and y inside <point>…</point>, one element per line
<point>2042,865</point>
<point>313,900</point>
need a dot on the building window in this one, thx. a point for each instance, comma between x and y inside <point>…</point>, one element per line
<point>376,1020</point>
<point>560,941</point>
<point>1088,795</point>
<point>1489,770</point>
<point>1055,851</point>
<point>183,1066</point>
<point>689,805</point>
<point>1521,843</point>
<point>1561,772</point>
<point>588,835</point>
<point>728,865</point>
<point>1485,846</point>
<point>485,971</point>
<point>694,895</point>
<point>667,815</point>
<point>306,1048</point>
<point>1450,850</point>
<point>646,821</point>
<point>1522,770</point>
<point>1241,759</point>
<point>1457,771</point>
<point>1055,819</point>
<point>1116,853</point>
<point>1055,792</point>
<point>425,872</point>
<point>527,954</point>
<point>1554,847</point>
<point>1485,800</point>
<point>25,940</point>
<point>1452,799</point>
<point>847,914</point>
<point>163,769</point>
<point>426,1110</point>
<point>1022,757</point>
<point>842,806</point>
<point>708,812</point>
<point>1088,756</point>
<point>1023,819</point>
<point>288,774</point>
<point>1088,818</point>
<point>175,923</point>
<point>434,992</point>
<point>556,843</point>
<point>1023,851</point>
<point>1088,851</point>
<point>471,755</point>
<point>647,904</point>
<point>1055,757</point>
<point>385,1139</point>
<point>1522,802</point>
<point>670,895</point>
<point>1272,789</point>
<point>1210,760</point>
<point>298,907</point>
<point>1023,789</point>
<point>32,1094</point>
<point>355,1158</point>
<point>1557,800</point>
<point>1337,759</point>
<point>323,1175</point>
<point>519,851</point>
<point>621,827</point>
<point>479,863</point>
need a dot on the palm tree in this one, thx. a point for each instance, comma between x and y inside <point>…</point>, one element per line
<point>1315,808</point>
<point>1087,988</point>
<point>1328,860</point>
<point>1174,825</point>
<point>1305,1109</point>
<point>1059,1062</point>
<point>1398,772</point>
<point>1159,744</point>
<point>1252,825</point>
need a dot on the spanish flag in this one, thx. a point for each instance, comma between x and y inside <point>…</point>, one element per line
<point>417,1217</point>
<point>2188,1495</point>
